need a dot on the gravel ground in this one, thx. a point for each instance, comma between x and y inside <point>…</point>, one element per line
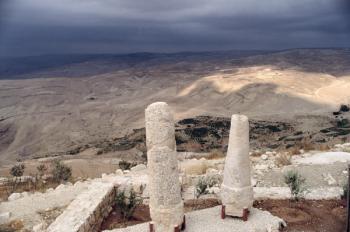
<point>323,182</point>
<point>327,175</point>
<point>319,169</point>
<point>29,206</point>
<point>320,193</point>
<point>208,220</point>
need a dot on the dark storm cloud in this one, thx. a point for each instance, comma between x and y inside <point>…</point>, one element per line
<point>3,13</point>
<point>120,26</point>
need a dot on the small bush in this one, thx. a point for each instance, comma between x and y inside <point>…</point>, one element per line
<point>17,170</point>
<point>125,165</point>
<point>41,170</point>
<point>203,185</point>
<point>201,188</point>
<point>344,108</point>
<point>127,204</point>
<point>295,182</point>
<point>344,196</point>
<point>60,171</point>
<point>343,122</point>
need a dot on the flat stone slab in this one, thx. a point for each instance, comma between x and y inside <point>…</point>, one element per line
<point>83,213</point>
<point>209,220</point>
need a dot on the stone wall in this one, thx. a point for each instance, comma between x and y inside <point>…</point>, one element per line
<point>87,211</point>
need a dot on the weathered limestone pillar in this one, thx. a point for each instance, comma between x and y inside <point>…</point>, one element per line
<point>166,205</point>
<point>236,189</point>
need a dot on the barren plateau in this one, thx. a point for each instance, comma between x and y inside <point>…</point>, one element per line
<point>72,103</point>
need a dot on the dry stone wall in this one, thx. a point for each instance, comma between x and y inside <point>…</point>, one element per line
<point>87,211</point>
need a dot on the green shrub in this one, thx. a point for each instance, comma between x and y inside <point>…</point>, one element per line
<point>295,183</point>
<point>345,192</point>
<point>61,172</point>
<point>41,170</point>
<point>342,122</point>
<point>125,165</point>
<point>127,203</point>
<point>17,170</point>
<point>344,108</point>
<point>203,185</point>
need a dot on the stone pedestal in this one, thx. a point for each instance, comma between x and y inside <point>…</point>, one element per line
<point>166,205</point>
<point>236,189</point>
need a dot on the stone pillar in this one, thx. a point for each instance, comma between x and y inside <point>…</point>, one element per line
<point>236,189</point>
<point>166,205</point>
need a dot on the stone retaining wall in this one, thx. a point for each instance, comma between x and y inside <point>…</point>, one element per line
<point>87,211</point>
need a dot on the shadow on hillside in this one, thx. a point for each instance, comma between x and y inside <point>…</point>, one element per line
<point>252,99</point>
<point>334,62</point>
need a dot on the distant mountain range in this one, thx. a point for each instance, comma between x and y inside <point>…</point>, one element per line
<point>15,67</point>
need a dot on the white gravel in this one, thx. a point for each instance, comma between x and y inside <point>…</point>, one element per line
<point>325,193</point>
<point>209,220</point>
<point>324,158</point>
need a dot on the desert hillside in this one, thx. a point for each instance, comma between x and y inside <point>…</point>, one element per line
<point>61,105</point>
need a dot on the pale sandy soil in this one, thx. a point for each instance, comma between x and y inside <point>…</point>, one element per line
<point>86,165</point>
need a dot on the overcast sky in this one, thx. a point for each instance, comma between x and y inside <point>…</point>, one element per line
<point>31,27</point>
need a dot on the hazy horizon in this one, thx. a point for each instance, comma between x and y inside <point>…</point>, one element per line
<point>176,52</point>
<point>38,27</point>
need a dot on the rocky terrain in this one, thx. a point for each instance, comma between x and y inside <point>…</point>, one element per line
<point>325,174</point>
<point>66,105</point>
<point>207,134</point>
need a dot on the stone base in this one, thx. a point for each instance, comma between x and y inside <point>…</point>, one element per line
<point>236,200</point>
<point>206,220</point>
<point>166,219</point>
<point>177,228</point>
<point>244,214</point>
